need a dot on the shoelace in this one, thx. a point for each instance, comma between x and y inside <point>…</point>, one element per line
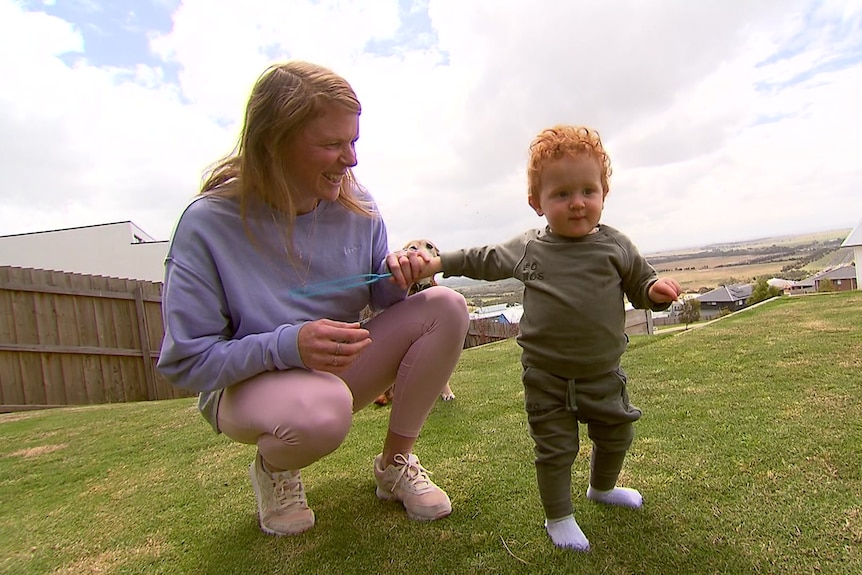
<point>337,285</point>
<point>288,489</point>
<point>413,473</point>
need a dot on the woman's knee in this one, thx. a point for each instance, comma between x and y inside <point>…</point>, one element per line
<point>324,418</point>
<point>449,306</point>
<point>313,430</point>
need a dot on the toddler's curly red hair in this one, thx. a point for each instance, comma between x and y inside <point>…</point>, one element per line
<point>561,140</point>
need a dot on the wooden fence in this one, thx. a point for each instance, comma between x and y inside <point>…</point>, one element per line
<point>487,330</point>
<point>72,339</point>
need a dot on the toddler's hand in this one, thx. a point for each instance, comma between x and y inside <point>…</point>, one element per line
<point>665,290</point>
<point>407,266</point>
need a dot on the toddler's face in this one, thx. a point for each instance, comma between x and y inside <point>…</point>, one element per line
<point>571,196</point>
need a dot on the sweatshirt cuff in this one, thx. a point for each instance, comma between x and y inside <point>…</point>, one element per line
<point>385,293</point>
<point>288,347</point>
<point>452,263</point>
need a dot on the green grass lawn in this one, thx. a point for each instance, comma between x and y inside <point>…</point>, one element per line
<point>749,456</point>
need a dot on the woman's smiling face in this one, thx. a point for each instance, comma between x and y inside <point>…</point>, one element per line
<point>318,157</point>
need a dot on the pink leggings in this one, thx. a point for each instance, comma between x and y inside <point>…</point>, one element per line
<point>297,416</point>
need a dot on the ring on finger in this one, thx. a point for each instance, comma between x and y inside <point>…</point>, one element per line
<point>335,362</point>
<point>337,347</point>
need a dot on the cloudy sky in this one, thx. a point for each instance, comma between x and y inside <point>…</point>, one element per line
<point>725,121</point>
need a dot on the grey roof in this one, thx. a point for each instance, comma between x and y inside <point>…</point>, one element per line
<point>730,293</point>
<point>842,273</point>
<point>77,228</point>
<point>854,239</point>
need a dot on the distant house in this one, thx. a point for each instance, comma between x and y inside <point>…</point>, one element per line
<point>119,249</point>
<point>843,279</point>
<point>790,287</point>
<point>499,313</point>
<point>724,298</point>
<point>802,286</point>
<point>671,315</point>
<point>782,284</point>
<point>854,240</point>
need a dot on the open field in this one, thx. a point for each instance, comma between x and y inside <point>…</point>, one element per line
<point>708,273</point>
<point>692,280</point>
<point>721,264</point>
<point>747,455</point>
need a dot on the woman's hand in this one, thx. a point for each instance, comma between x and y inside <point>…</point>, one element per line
<point>665,290</point>
<point>328,345</point>
<point>407,266</point>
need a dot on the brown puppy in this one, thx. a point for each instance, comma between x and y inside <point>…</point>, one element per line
<point>428,247</point>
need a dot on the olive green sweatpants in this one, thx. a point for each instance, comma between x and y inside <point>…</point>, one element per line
<point>555,406</point>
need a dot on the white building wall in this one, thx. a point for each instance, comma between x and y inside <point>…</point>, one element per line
<point>857,254</point>
<point>119,249</point>
<point>854,240</point>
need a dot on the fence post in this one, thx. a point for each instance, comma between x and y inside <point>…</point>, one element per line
<point>143,330</point>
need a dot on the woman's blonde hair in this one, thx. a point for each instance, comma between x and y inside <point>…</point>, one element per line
<point>284,99</point>
<point>559,141</point>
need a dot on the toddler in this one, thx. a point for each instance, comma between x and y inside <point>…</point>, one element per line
<point>572,334</point>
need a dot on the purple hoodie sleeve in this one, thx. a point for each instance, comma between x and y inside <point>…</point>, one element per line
<point>198,353</point>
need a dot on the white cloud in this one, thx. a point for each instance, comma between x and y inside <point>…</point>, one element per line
<point>725,121</point>
<point>223,46</point>
<point>85,145</point>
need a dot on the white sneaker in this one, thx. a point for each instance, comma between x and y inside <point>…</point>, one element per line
<point>407,481</point>
<point>281,505</point>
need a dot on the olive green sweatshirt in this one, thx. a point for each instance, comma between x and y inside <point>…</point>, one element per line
<point>574,313</point>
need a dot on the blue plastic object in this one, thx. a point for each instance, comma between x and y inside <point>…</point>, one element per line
<point>337,285</point>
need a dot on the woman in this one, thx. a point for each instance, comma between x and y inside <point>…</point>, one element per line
<point>253,322</point>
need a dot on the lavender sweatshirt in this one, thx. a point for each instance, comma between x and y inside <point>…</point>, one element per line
<point>229,302</point>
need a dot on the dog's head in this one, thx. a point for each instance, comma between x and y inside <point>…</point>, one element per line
<point>429,248</point>
<point>426,246</point>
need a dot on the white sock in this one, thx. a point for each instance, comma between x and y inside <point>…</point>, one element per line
<point>566,533</point>
<point>622,496</point>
